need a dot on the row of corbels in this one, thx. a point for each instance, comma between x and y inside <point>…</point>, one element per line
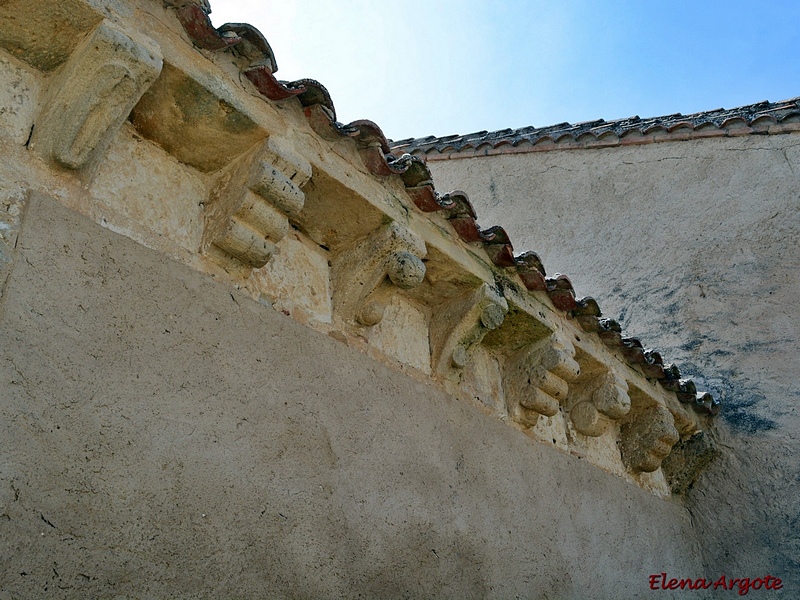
<point>259,67</point>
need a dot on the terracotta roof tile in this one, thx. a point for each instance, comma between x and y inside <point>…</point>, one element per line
<point>753,118</point>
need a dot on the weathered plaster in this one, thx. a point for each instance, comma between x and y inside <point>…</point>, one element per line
<point>692,245</point>
<point>200,444</point>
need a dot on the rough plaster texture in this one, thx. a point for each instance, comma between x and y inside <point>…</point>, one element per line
<point>693,247</point>
<point>163,436</point>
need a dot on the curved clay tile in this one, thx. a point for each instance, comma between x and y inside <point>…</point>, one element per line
<point>531,271</point>
<point>679,125</point>
<point>706,128</point>
<point>763,122</point>
<point>193,16</point>
<point>417,173</point>
<point>374,149</point>
<point>561,292</point>
<point>653,366</point>
<point>735,123</point>
<point>269,87</point>
<point>608,136</point>
<point>545,141</point>
<point>655,129</point>
<point>792,117</point>
<point>587,306</point>
<point>316,93</point>
<point>610,332</point>
<point>253,46</point>
<point>262,64</point>
<point>320,111</point>
<point>498,247</point>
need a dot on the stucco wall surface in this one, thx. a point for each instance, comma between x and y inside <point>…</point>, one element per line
<point>692,246</point>
<point>163,436</point>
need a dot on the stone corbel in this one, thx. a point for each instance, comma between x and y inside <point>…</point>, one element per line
<point>648,438</point>
<point>249,208</point>
<point>601,401</point>
<point>461,324</point>
<point>95,92</point>
<point>536,379</point>
<point>366,275</point>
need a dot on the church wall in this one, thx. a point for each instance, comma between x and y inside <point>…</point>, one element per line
<point>692,245</point>
<point>165,436</point>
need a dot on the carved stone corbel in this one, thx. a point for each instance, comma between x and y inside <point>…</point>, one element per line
<point>249,208</point>
<point>602,400</point>
<point>95,92</point>
<point>648,438</point>
<point>461,324</point>
<point>365,276</point>
<point>536,379</point>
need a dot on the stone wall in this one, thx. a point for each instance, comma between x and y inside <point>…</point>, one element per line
<point>692,245</point>
<point>246,350</point>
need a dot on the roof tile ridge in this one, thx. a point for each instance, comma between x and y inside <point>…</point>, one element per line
<point>717,117</point>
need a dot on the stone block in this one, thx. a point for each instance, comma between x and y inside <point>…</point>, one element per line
<point>296,280</point>
<point>19,98</point>
<point>366,275</point>
<point>205,128</point>
<point>647,438</point>
<point>96,90</point>
<point>460,325</point>
<point>686,461</point>
<point>249,206</point>
<point>537,379</point>
<point>44,33</point>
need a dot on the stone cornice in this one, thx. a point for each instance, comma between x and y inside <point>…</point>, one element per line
<point>278,199</point>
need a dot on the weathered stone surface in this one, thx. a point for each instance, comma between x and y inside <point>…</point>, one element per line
<point>604,399</point>
<point>19,98</point>
<point>537,379</point>
<point>248,208</point>
<point>13,201</point>
<point>44,33</point>
<point>194,123</point>
<point>460,325</point>
<point>94,93</point>
<point>148,195</point>
<point>366,275</point>
<point>647,438</point>
<point>687,460</point>
<point>296,280</point>
<point>403,334</point>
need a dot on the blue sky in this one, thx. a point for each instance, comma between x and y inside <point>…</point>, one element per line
<point>441,67</point>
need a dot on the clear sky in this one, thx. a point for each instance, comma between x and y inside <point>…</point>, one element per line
<point>440,67</point>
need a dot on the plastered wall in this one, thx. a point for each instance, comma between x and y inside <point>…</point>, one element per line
<point>165,436</point>
<point>692,245</point>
